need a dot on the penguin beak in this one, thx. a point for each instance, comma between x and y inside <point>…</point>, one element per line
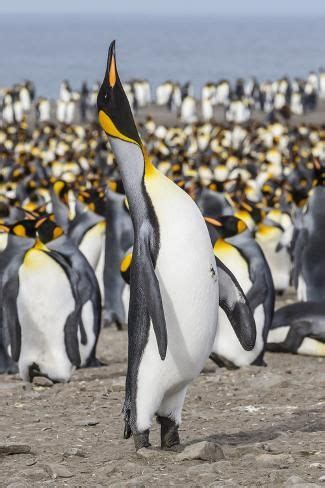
<point>214,222</point>
<point>111,65</point>
<point>114,112</point>
<point>106,92</point>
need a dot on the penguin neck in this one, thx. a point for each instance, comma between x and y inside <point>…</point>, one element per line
<point>135,167</point>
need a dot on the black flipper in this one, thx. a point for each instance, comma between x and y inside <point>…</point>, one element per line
<point>234,303</point>
<point>152,295</point>
<point>74,320</point>
<point>11,323</point>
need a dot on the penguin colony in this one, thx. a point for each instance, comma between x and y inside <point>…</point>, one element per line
<point>239,101</point>
<point>185,233</point>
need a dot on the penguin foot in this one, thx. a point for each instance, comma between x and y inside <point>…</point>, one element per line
<point>114,323</point>
<point>93,362</point>
<point>169,433</point>
<point>141,439</point>
<point>7,365</point>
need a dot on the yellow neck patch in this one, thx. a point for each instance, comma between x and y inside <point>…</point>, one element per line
<point>110,128</point>
<point>126,263</point>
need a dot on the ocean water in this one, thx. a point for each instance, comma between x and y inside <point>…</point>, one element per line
<point>49,49</point>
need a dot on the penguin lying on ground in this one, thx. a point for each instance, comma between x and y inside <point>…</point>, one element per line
<point>51,302</point>
<point>299,328</point>
<point>238,251</point>
<point>173,277</point>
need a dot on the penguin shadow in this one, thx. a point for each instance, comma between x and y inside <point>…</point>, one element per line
<point>302,420</point>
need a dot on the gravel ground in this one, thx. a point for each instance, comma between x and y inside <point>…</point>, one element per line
<point>269,423</point>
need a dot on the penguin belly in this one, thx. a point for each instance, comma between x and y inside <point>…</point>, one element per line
<point>226,344</point>
<point>92,247</point>
<point>278,261</point>
<point>44,302</point>
<point>187,275</point>
<point>88,319</point>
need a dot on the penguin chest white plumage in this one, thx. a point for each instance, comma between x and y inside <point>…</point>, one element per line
<point>92,246</point>
<point>44,302</point>
<point>187,275</point>
<point>226,344</point>
<point>278,260</point>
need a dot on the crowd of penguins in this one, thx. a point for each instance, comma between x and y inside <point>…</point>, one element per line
<point>238,100</point>
<point>66,235</point>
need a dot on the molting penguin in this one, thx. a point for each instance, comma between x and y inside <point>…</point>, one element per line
<point>299,328</point>
<point>238,251</point>
<point>174,285</point>
<point>48,306</point>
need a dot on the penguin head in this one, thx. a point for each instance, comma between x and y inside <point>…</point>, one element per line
<point>47,230</point>
<point>94,200</point>
<point>226,226</point>
<point>114,112</point>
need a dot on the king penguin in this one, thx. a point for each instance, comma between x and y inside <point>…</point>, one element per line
<point>173,280</point>
<point>51,303</point>
<point>235,246</point>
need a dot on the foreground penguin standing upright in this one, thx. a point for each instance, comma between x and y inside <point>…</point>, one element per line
<point>174,282</point>
<point>51,303</point>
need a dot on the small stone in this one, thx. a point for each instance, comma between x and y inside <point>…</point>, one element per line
<point>146,453</point>
<point>205,451</point>
<point>106,470</point>
<point>322,478</point>
<point>118,384</point>
<point>209,368</point>
<point>58,471</point>
<point>74,451</point>
<point>18,484</point>
<point>34,474</point>
<point>274,459</point>
<point>297,482</point>
<point>14,449</point>
<point>42,381</point>
<point>88,423</point>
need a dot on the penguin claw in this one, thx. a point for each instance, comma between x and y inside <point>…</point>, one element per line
<point>94,363</point>
<point>169,434</point>
<point>141,439</point>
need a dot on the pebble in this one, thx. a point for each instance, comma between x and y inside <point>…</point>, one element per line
<point>88,423</point>
<point>18,484</point>
<point>58,471</point>
<point>74,451</point>
<point>297,482</point>
<point>322,478</point>
<point>34,474</point>
<point>204,451</point>
<point>107,470</point>
<point>147,453</point>
<point>42,381</point>
<point>118,384</point>
<point>275,459</point>
<point>15,449</point>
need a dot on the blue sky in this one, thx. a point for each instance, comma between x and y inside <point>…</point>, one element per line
<point>237,8</point>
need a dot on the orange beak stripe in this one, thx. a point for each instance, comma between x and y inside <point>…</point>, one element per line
<point>112,72</point>
<point>213,221</point>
